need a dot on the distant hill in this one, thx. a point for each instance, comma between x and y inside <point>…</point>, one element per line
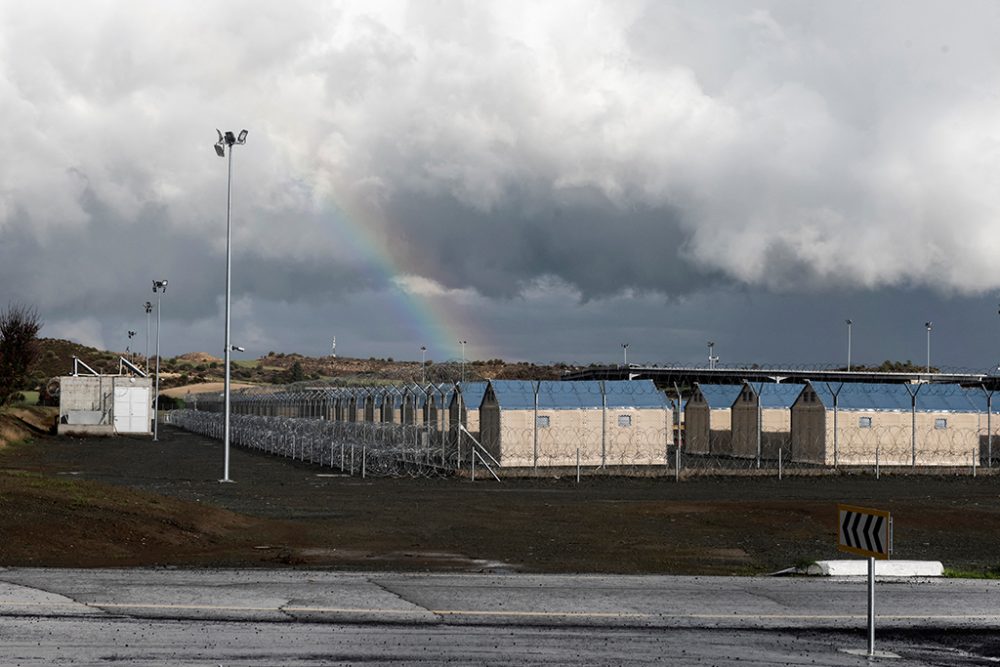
<point>56,358</point>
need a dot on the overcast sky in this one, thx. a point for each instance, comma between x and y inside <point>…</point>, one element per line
<point>546,180</point>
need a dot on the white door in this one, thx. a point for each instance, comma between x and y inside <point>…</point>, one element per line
<point>132,406</point>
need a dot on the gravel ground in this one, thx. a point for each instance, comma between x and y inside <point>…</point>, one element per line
<point>316,517</point>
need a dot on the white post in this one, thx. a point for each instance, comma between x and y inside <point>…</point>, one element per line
<point>780,450</point>
<point>577,465</point>
<point>156,400</point>
<point>871,607</point>
<point>229,201</point>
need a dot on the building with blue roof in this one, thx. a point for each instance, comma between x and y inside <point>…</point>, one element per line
<point>708,422</point>
<point>392,405</point>
<point>549,423</point>
<point>464,406</point>
<point>900,424</point>
<point>761,420</point>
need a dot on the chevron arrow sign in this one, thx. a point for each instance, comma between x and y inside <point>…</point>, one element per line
<point>864,532</point>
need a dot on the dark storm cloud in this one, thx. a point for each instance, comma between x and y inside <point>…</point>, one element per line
<point>577,236</point>
<point>626,156</point>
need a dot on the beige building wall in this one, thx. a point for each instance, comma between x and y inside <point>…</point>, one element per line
<point>809,432</point>
<point>744,420</point>
<point>515,441</point>
<point>489,428</point>
<point>954,445</point>
<point>708,431</point>
<point>697,428</point>
<point>891,435</point>
<point>775,430</point>
<point>720,430</point>
<point>644,442</point>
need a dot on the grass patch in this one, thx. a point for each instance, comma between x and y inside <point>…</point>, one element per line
<point>987,572</point>
<point>30,398</point>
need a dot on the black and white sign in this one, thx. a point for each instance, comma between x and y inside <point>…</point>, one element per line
<point>864,532</point>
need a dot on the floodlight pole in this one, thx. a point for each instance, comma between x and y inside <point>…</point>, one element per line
<point>159,286</point>
<point>149,308</point>
<point>462,343</point>
<point>423,364</point>
<point>850,323</point>
<point>928,325</point>
<point>625,353</point>
<point>228,140</point>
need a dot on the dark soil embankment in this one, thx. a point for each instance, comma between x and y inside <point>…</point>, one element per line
<point>280,511</point>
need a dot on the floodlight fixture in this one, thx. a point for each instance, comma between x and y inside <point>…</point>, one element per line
<point>219,150</point>
<point>160,286</point>
<point>242,139</point>
<point>236,348</point>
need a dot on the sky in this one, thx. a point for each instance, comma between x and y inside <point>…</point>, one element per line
<point>546,181</point>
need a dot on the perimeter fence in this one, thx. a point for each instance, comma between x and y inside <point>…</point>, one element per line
<point>525,428</point>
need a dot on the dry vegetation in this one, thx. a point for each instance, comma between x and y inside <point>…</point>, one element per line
<point>193,371</point>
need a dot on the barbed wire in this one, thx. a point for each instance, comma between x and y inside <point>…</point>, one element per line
<point>621,427</point>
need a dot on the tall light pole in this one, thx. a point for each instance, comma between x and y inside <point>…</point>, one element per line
<point>928,325</point>
<point>128,350</point>
<point>850,323</point>
<point>463,343</point>
<point>228,140</point>
<point>711,355</point>
<point>625,353</point>
<point>423,365</point>
<point>159,287</point>
<point>149,308</point>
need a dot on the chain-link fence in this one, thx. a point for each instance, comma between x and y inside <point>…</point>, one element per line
<point>357,448</point>
<point>614,427</point>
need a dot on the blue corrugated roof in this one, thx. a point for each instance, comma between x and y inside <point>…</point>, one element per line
<point>557,395</point>
<point>560,395</point>
<point>875,396</point>
<point>720,395</point>
<point>472,394</point>
<point>863,395</point>
<point>776,395</point>
<point>945,398</point>
<point>514,394</point>
<point>633,394</point>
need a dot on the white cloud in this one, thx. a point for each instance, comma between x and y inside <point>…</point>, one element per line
<point>484,146</point>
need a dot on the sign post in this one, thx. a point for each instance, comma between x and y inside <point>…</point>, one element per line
<point>866,532</point>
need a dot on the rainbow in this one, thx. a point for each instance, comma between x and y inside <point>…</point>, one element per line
<point>434,322</point>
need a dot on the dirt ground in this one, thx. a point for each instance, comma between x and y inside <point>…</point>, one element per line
<point>131,501</point>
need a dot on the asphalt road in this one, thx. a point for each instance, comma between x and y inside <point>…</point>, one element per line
<point>252,617</point>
